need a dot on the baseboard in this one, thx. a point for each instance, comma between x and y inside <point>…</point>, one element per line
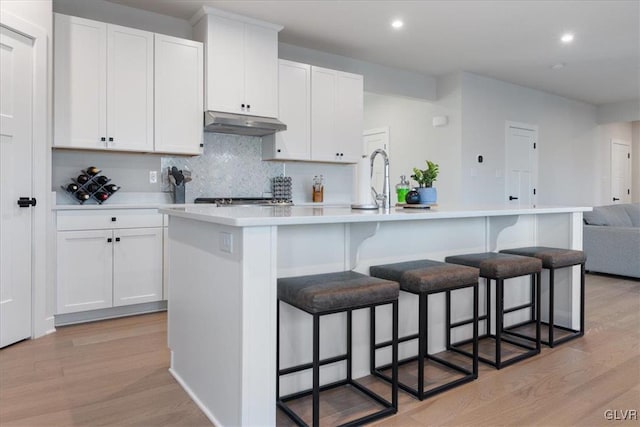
<point>193,396</point>
<point>50,325</point>
<point>109,313</point>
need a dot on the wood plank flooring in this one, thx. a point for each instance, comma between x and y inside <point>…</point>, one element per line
<point>114,373</point>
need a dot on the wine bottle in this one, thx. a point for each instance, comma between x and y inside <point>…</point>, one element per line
<point>82,196</point>
<point>82,179</point>
<point>92,170</point>
<point>72,188</point>
<point>102,180</point>
<point>101,195</point>
<point>111,188</point>
<point>93,188</point>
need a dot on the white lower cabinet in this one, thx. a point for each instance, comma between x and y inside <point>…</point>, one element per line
<point>108,266</point>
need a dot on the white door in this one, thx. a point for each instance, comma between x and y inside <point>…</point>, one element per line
<point>129,89</point>
<point>377,139</point>
<point>137,266</point>
<point>620,171</point>
<point>521,165</point>
<point>16,80</point>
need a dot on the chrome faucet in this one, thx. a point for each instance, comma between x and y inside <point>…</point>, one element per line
<point>385,197</point>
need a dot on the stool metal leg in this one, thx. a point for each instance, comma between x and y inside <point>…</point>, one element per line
<point>551,305</point>
<point>487,284</point>
<point>422,350</point>
<point>448,316</point>
<point>538,282</point>
<point>582,279</point>
<point>349,341</point>
<point>277,350</point>
<point>499,320</point>
<point>316,370</point>
<point>394,358</point>
<point>475,331</point>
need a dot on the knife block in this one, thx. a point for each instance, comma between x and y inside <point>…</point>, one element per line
<point>178,193</point>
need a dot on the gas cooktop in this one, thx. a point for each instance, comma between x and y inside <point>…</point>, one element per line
<point>243,201</point>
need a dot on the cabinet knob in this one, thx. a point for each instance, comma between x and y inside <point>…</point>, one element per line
<point>248,107</point>
<point>110,139</point>
<point>103,139</point>
<point>279,150</point>
<point>117,239</point>
<point>113,219</point>
<point>242,105</point>
<point>109,240</point>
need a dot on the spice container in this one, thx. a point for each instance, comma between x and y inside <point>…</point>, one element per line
<point>318,189</point>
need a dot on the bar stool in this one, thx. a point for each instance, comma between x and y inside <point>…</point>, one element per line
<point>553,259</point>
<point>499,267</point>
<point>324,294</point>
<point>424,278</point>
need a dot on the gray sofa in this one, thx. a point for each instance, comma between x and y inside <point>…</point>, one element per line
<point>612,239</point>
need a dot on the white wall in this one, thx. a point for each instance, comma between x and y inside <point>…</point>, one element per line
<point>569,161</point>
<point>626,111</point>
<point>101,10</point>
<point>635,162</point>
<point>377,78</point>
<point>413,140</point>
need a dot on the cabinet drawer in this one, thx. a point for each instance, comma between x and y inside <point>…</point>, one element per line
<point>112,219</point>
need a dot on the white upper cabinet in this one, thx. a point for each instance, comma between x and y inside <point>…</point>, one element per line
<point>295,111</point>
<point>103,86</point>
<point>178,95</point>
<point>241,69</point>
<point>323,110</point>
<point>80,83</point>
<point>336,115</point>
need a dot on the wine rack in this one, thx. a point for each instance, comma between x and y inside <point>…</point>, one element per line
<point>90,185</point>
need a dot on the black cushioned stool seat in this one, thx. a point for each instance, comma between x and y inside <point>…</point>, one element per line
<point>553,259</point>
<point>324,294</point>
<point>426,277</point>
<point>499,267</point>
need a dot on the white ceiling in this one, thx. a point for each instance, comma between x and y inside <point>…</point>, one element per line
<point>514,41</point>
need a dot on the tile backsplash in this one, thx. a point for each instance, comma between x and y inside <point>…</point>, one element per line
<point>230,165</point>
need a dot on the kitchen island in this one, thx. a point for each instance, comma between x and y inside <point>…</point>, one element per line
<point>224,265</point>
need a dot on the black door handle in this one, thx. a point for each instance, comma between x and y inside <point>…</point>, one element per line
<point>25,202</point>
<point>615,199</point>
<point>513,198</point>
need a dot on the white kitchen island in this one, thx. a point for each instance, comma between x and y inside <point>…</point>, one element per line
<point>224,263</point>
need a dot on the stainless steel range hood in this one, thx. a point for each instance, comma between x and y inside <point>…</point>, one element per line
<point>237,124</point>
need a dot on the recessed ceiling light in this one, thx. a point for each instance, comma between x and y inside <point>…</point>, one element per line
<point>397,23</point>
<point>566,38</point>
<point>558,66</point>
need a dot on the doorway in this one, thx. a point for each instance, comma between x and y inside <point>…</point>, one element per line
<point>521,164</point>
<point>620,171</point>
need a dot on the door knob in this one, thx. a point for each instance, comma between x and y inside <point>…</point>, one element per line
<point>25,202</point>
<point>513,198</point>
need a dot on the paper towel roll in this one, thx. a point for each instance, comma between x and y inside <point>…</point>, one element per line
<point>364,181</point>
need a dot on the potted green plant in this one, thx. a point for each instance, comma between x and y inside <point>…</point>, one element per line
<point>425,179</point>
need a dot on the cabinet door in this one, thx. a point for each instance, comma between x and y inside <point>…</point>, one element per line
<point>178,95</point>
<point>84,277</point>
<point>294,110</point>
<point>261,71</point>
<point>137,266</point>
<point>80,82</point>
<point>225,65</point>
<point>323,115</point>
<point>129,89</point>
<point>349,111</point>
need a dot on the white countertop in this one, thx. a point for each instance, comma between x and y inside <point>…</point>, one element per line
<point>248,216</point>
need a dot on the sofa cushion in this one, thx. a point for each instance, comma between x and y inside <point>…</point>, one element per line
<point>633,210</point>
<point>611,215</point>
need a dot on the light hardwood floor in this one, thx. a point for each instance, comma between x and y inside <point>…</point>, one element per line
<point>114,373</point>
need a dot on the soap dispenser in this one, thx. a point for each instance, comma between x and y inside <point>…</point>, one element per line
<point>402,189</point>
